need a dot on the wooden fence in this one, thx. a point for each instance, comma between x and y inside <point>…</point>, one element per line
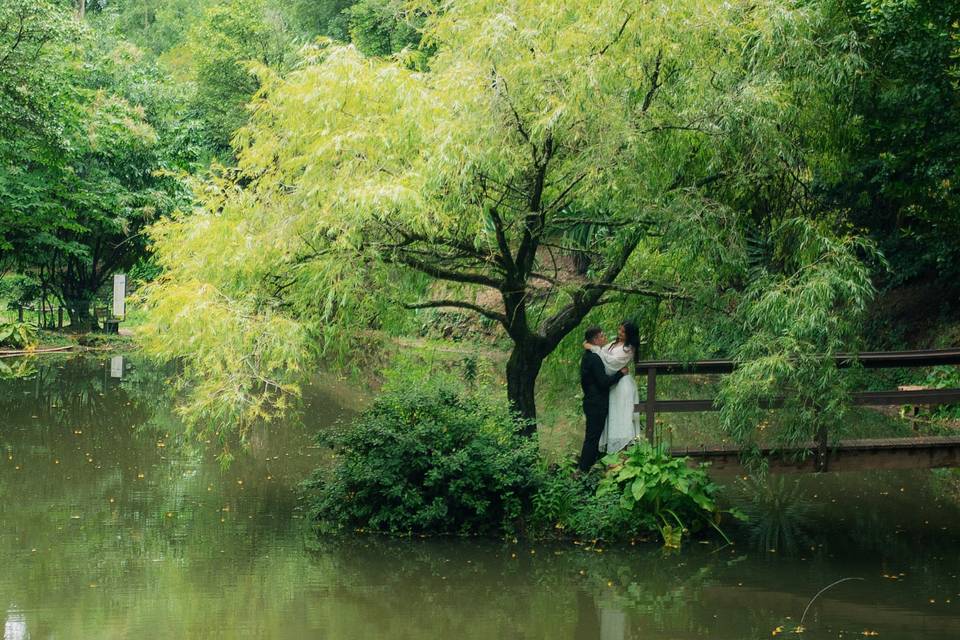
<point>868,360</point>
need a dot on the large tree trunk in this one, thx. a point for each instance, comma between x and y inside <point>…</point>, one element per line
<point>522,369</point>
<point>80,318</point>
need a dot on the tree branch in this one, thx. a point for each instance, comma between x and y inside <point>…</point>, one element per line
<point>558,201</point>
<point>571,249</point>
<point>458,304</point>
<point>616,37</point>
<point>588,295</point>
<point>436,271</point>
<point>654,82</point>
<point>661,294</point>
<point>535,219</point>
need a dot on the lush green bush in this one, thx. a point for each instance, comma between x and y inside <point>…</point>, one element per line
<point>427,460</point>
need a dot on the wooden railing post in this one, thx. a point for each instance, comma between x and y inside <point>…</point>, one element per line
<point>59,317</point>
<point>651,399</point>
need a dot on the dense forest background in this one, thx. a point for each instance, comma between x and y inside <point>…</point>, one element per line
<point>118,114</point>
<point>107,108</point>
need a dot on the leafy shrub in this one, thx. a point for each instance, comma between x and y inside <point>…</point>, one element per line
<point>568,505</point>
<point>943,378</point>
<point>677,497</point>
<point>427,460</point>
<point>17,335</point>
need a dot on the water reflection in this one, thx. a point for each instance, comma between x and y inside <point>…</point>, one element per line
<point>15,626</point>
<point>111,528</point>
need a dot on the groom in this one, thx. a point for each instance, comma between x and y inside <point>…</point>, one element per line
<point>596,391</point>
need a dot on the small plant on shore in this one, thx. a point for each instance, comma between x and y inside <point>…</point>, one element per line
<point>680,498</point>
<point>18,335</point>
<point>567,505</point>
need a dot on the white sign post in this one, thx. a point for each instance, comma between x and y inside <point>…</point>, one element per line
<point>119,295</point>
<point>116,367</point>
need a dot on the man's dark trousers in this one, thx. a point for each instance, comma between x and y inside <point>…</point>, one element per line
<point>595,384</point>
<point>596,420</point>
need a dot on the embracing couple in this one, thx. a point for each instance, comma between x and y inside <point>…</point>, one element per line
<point>609,394</point>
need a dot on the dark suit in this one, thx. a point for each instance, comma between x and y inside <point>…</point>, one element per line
<point>596,402</point>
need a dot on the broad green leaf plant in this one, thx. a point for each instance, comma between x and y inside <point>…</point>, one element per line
<point>678,497</point>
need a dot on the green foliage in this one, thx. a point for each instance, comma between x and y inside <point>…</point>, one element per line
<point>231,36</point>
<point>900,176</point>
<point>19,289</point>
<point>35,99</point>
<point>144,270</point>
<point>155,26</point>
<point>322,17</point>
<point>379,28</point>
<point>79,186</point>
<point>426,460</point>
<point>18,335</point>
<point>802,306</point>
<point>431,458</point>
<point>567,505</point>
<point>677,498</point>
<point>367,181</point>
<point>941,378</point>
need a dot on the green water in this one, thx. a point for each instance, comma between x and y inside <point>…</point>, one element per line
<point>109,528</point>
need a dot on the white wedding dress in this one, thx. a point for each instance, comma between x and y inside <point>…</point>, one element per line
<point>623,422</point>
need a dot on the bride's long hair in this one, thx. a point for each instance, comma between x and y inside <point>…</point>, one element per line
<point>631,339</point>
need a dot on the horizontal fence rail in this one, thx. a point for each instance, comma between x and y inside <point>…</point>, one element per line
<point>868,360</point>
<point>861,398</point>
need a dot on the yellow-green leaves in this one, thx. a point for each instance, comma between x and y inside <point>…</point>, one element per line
<point>361,180</point>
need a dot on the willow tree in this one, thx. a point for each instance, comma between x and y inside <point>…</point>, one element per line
<point>365,185</point>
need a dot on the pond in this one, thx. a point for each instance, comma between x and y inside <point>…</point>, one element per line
<point>110,528</point>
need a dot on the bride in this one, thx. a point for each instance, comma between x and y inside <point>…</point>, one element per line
<point>623,423</point>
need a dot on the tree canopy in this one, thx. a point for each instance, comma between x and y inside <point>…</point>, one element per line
<point>633,138</point>
<point>87,159</point>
